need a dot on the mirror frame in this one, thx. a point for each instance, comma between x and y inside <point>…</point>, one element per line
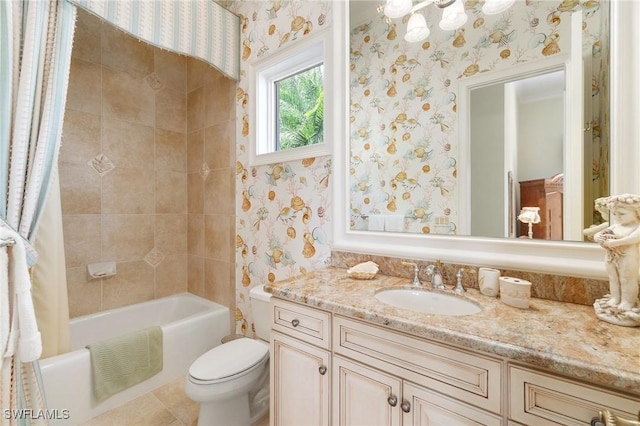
<point>562,258</point>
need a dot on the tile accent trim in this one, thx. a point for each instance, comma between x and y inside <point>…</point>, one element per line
<point>101,164</point>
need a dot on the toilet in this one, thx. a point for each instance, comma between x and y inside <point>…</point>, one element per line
<point>231,381</point>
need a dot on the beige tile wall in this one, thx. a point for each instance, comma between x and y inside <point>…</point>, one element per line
<point>146,168</point>
<point>210,184</point>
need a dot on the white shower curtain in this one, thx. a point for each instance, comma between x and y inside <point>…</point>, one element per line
<point>49,278</point>
<point>35,55</point>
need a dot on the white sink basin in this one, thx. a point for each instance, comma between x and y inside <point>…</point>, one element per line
<point>428,302</point>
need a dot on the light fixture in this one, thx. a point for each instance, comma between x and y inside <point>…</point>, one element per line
<point>453,17</point>
<point>397,8</point>
<point>417,29</point>
<point>493,7</point>
<point>530,215</point>
<point>453,14</point>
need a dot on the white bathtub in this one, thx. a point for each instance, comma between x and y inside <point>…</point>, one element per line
<point>190,325</point>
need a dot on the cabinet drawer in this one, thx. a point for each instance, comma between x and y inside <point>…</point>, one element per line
<point>541,399</point>
<point>307,324</point>
<point>474,378</point>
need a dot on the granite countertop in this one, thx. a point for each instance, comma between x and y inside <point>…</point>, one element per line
<point>564,338</point>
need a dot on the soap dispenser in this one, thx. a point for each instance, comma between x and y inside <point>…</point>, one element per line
<point>437,281</point>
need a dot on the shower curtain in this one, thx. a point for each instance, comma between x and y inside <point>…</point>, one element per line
<point>51,302</point>
<point>35,55</point>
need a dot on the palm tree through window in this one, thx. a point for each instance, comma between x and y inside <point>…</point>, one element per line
<point>300,109</point>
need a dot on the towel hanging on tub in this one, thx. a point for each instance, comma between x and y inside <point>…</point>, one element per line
<point>123,361</point>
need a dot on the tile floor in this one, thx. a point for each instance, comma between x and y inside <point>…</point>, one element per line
<point>167,405</point>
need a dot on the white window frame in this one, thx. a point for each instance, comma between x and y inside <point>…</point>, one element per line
<point>306,53</point>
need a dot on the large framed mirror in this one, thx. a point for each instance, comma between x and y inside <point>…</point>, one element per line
<point>568,257</point>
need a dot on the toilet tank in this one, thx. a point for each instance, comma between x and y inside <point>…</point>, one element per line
<point>261,309</point>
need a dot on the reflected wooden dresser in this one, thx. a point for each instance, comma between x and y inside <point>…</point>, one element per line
<point>548,195</point>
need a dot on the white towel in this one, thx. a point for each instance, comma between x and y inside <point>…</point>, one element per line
<point>394,223</point>
<point>24,328</point>
<point>376,222</point>
<point>4,302</point>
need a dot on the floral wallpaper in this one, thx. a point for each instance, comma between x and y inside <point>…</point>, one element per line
<point>403,104</point>
<point>282,210</point>
<point>403,115</point>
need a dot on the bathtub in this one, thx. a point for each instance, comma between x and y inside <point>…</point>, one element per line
<point>190,325</point>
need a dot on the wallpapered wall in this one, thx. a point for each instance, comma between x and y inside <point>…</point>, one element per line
<point>404,129</point>
<point>406,115</point>
<point>282,210</point>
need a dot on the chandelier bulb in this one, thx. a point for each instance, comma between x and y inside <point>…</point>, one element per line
<point>417,29</point>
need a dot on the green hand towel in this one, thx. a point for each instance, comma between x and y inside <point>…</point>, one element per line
<point>124,361</point>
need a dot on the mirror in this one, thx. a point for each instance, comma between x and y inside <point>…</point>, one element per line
<point>566,258</point>
<point>408,121</point>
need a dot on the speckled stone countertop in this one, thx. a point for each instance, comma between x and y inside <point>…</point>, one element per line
<point>564,338</point>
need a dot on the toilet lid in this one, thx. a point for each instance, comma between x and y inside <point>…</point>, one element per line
<point>228,359</point>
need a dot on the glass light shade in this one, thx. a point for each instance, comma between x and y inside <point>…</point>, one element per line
<point>453,16</point>
<point>416,28</point>
<point>493,7</point>
<point>529,215</point>
<point>397,8</point>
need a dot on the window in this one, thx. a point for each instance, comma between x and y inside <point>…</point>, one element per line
<point>290,92</point>
<point>300,109</point>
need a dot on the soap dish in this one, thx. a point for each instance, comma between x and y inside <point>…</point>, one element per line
<point>363,271</point>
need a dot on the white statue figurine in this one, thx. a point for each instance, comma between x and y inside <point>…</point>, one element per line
<point>621,240</point>
<point>602,208</point>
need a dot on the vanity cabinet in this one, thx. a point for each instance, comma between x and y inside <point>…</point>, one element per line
<point>388,378</point>
<point>363,395</point>
<point>332,369</point>
<point>300,365</point>
<point>537,398</point>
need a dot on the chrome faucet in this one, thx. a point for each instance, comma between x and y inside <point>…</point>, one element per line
<point>435,275</point>
<point>416,271</point>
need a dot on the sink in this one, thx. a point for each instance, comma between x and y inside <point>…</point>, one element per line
<point>428,302</point>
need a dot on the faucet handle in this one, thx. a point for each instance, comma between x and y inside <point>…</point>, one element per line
<point>416,273</point>
<point>458,287</point>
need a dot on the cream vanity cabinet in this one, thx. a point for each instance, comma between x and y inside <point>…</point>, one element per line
<point>300,365</point>
<point>331,369</point>
<point>387,378</point>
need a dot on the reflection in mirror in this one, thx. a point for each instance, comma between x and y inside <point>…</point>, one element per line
<point>516,138</point>
<point>405,147</point>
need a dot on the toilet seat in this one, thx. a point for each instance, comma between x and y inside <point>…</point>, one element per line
<point>228,361</point>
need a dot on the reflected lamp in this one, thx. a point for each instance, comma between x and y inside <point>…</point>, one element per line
<point>530,215</point>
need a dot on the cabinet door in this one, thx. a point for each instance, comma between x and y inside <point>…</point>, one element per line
<point>364,396</point>
<point>299,383</point>
<point>466,376</point>
<point>422,406</point>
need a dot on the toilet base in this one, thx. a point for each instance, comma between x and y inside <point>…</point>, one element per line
<point>226,412</point>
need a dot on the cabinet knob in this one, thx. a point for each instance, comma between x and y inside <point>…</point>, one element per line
<point>322,370</point>
<point>295,322</point>
<point>405,406</point>
<point>392,400</point>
